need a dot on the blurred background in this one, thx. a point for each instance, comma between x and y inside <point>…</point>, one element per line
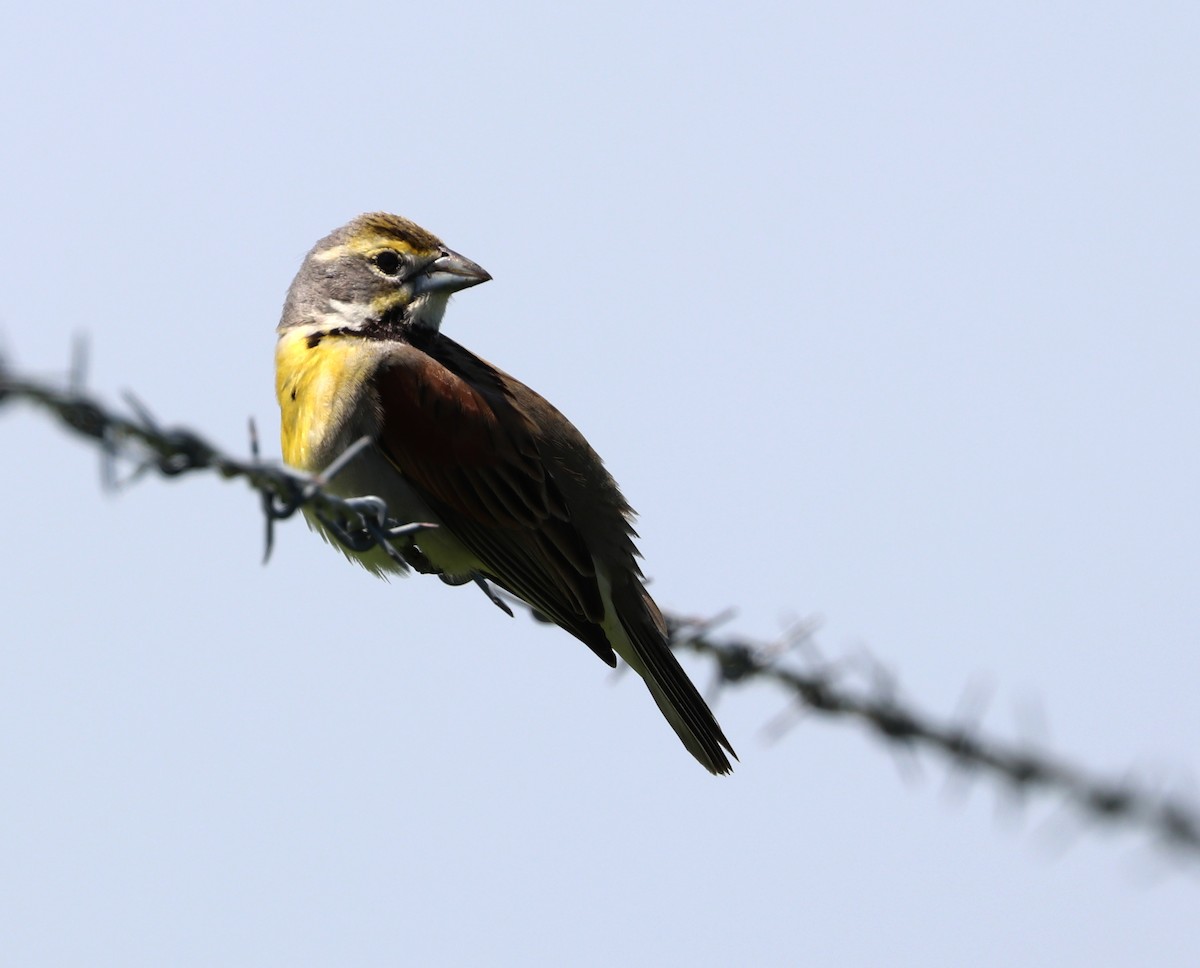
<point>881,313</point>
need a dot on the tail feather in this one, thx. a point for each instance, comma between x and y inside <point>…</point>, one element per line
<point>643,645</point>
<point>705,745</point>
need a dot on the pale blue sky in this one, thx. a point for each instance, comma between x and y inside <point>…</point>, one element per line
<point>881,312</point>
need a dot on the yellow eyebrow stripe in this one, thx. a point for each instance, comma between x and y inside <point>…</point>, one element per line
<point>364,245</point>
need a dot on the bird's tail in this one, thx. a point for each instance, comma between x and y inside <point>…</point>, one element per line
<point>641,641</point>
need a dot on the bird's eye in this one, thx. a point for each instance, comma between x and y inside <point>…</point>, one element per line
<point>387,262</point>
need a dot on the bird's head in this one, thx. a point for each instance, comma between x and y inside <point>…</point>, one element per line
<point>378,274</point>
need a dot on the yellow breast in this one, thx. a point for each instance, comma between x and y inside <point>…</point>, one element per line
<point>323,391</point>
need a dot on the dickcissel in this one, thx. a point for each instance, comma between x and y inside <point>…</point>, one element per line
<point>519,497</point>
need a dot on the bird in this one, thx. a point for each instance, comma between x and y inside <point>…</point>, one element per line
<point>518,496</point>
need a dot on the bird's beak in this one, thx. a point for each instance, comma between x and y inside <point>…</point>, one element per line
<point>450,272</point>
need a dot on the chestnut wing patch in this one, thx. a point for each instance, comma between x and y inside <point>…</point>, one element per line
<point>449,438</point>
<point>454,433</point>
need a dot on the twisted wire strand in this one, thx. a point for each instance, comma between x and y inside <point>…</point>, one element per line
<point>815,686</point>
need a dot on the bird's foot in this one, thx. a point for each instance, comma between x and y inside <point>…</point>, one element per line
<point>482,582</point>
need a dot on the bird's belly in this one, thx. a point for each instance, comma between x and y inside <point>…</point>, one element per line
<point>371,473</point>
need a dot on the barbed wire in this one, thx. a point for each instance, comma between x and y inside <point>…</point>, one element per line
<point>793,663</point>
<point>827,688</point>
<point>358,523</point>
